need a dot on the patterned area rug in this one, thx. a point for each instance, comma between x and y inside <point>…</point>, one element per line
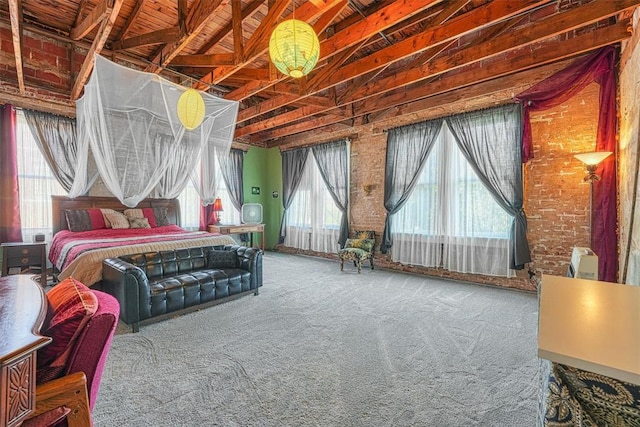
<point>320,347</point>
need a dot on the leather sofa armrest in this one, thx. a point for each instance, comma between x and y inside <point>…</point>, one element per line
<point>250,259</point>
<point>130,286</point>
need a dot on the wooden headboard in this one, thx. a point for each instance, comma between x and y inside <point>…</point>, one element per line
<point>59,204</point>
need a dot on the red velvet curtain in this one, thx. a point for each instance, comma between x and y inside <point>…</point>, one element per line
<point>205,216</point>
<point>555,90</point>
<point>9,199</point>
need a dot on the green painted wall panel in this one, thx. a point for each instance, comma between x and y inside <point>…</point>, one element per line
<point>263,169</point>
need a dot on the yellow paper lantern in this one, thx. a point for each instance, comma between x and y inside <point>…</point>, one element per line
<point>294,48</point>
<point>191,109</point>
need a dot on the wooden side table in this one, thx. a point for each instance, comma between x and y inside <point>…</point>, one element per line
<point>238,229</point>
<point>22,310</point>
<point>25,258</point>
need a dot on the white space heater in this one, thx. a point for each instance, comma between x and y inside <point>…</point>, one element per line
<point>251,213</point>
<point>584,264</point>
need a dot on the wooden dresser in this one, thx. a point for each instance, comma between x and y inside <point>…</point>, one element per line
<point>22,311</point>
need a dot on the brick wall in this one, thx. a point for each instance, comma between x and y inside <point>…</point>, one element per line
<point>629,145</point>
<point>47,64</point>
<point>556,198</point>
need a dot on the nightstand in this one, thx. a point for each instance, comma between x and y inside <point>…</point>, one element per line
<point>237,229</point>
<point>25,258</point>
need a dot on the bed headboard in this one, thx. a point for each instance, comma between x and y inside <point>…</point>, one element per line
<point>59,204</point>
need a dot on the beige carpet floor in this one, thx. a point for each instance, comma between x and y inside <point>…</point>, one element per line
<point>320,347</point>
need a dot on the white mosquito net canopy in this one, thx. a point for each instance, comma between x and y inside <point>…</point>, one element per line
<point>128,120</point>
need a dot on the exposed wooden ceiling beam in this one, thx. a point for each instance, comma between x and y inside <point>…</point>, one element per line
<point>252,74</point>
<point>15,14</point>
<point>280,119</point>
<point>164,36</point>
<point>207,60</point>
<point>249,10</point>
<point>236,21</point>
<point>255,87</point>
<point>130,20</point>
<point>199,14</point>
<point>254,43</point>
<point>95,17</point>
<point>451,30</point>
<point>537,31</point>
<point>182,15</point>
<point>551,51</point>
<point>383,18</point>
<point>442,16</point>
<point>96,47</point>
<point>82,10</point>
<point>373,24</point>
<point>546,52</point>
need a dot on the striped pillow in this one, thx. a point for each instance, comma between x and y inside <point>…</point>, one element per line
<point>117,220</point>
<point>71,305</point>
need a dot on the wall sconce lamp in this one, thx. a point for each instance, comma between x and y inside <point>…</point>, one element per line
<point>215,212</point>
<point>592,160</point>
<point>368,188</point>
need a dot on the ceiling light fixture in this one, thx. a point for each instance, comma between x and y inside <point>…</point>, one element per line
<point>294,47</point>
<point>190,109</point>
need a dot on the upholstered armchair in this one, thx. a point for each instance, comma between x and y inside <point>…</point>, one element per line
<point>81,323</point>
<point>359,248</point>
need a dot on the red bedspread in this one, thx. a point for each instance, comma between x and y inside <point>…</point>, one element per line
<point>68,245</point>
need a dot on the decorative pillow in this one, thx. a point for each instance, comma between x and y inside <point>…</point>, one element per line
<point>71,305</point>
<point>84,220</point>
<point>160,215</point>
<point>133,213</point>
<point>139,223</point>
<point>147,213</point>
<point>104,212</point>
<point>151,216</point>
<point>364,244</point>
<point>117,220</point>
<point>363,235</point>
<point>222,259</point>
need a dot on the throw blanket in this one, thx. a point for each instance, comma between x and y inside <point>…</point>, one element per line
<point>80,254</point>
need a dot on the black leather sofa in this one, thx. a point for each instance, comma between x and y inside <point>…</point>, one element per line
<point>156,285</point>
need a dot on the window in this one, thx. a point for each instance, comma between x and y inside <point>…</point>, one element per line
<point>36,184</point>
<point>451,220</point>
<point>190,205</point>
<point>313,219</point>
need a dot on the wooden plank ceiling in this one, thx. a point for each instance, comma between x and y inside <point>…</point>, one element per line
<point>375,55</point>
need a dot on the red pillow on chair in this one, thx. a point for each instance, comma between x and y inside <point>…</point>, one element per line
<point>71,305</point>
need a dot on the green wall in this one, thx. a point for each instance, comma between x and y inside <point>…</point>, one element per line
<point>263,169</point>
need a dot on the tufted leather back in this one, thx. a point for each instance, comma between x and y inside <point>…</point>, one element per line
<point>171,262</point>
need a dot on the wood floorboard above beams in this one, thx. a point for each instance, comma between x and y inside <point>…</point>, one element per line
<point>483,16</point>
<point>547,52</point>
<point>199,14</point>
<point>95,17</point>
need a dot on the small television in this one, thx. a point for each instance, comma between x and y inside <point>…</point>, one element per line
<point>251,213</point>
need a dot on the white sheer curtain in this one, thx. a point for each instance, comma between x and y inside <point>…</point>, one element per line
<point>451,220</point>
<point>313,219</point>
<point>37,184</point>
<point>190,203</point>
<point>129,119</point>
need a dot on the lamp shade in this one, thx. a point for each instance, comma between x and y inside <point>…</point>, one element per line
<point>190,109</point>
<point>217,205</point>
<point>593,158</point>
<point>294,48</point>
